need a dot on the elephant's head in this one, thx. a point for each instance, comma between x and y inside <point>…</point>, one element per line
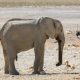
<point>53,29</point>
<point>50,27</point>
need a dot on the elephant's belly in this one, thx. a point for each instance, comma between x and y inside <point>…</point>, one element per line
<point>24,46</point>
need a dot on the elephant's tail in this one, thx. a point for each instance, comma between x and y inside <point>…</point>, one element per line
<point>16,58</point>
<point>0,34</point>
<point>14,19</point>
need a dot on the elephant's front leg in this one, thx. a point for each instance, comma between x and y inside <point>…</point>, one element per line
<point>39,58</point>
<point>61,41</point>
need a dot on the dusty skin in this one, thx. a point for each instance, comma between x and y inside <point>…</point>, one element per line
<point>64,72</point>
<point>33,33</point>
<point>69,70</point>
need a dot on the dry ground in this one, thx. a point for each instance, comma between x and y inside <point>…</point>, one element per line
<point>71,55</point>
<point>64,72</point>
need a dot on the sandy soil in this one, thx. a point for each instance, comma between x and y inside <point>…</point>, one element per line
<point>71,55</point>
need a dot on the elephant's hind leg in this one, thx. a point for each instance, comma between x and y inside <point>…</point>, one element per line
<point>12,57</point>
<point>12,69</point>
<point>6,59</point>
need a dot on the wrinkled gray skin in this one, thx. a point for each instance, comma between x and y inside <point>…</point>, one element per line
<point>32,34</point>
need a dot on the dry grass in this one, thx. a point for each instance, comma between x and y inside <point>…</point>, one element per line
<point>38,2</point>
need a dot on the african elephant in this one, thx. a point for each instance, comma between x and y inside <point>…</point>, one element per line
<point>17,37</point>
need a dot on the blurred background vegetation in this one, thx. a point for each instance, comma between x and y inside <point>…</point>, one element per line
<point>11,3</point>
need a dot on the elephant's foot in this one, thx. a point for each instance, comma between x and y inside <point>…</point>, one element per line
<point>35,72</point>
<point>42,72</point>
<point>6,71</point>
<point>58,64</point>
<point>39,72</point>
<point>14,72</point>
